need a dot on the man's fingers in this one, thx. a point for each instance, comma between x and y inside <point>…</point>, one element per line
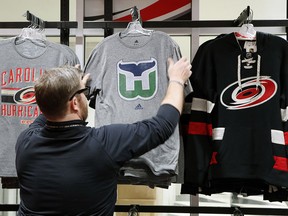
<point>78,66</point>
<point>86,78</point>
<point>170,61</point>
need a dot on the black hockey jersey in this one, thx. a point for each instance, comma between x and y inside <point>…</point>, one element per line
<point>238,123</point>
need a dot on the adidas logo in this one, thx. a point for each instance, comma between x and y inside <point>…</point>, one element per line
<point>138,107</point>
<point>136,42</point>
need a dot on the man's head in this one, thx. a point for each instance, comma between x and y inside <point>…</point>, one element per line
<point>59,93</point>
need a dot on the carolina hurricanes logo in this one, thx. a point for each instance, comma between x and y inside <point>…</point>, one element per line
<point>251,95</point>
<point>25,96</point>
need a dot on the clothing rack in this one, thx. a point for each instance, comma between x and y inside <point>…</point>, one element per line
<point>58,25</point>
<point>186,24</point>
<point>150,24</point>
<point>194,24</point>
<point>182,209</point>
<point>64,25</point>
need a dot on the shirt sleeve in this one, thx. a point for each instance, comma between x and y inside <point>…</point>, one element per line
<point>280,151</point>
<point>125,141</point>
<point>198,130</point>
<point>95,68</point>
<point>38,123</point>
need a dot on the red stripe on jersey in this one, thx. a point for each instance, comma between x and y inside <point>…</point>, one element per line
<point>286,138</point>
<point>213,158</point>
<point>199,128</point>
<point>281,163</point>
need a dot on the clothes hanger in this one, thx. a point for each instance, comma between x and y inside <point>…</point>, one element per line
<point>34,32</point>
<point>135,27</point>
<point>247,30</point>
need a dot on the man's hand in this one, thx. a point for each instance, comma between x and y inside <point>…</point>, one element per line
<point>86,77</point>
<point>179,71</point>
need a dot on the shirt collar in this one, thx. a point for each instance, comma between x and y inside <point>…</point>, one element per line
<point>66,124</point>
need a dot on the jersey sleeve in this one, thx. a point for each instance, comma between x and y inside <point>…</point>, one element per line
<point>198,126</point>
<point>280,151</point>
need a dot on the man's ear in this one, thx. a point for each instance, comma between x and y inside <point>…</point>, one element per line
<point>74,104</point>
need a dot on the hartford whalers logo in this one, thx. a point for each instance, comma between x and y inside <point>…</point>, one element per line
<point>137,80</point>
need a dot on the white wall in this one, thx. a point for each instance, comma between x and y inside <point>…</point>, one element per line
<point>230,9</point>
<point>48,10</point>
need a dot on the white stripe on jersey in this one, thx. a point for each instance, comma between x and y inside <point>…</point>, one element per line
<point>218,133</point>
<point>277,137</point>
<point>284,114</point>
<point>203,105</point>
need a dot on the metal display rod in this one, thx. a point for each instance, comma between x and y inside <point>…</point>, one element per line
<point>58,25</point>
<point>64,14</point>
<point>183,209</point>
<point>149,24</point>
<point>185,24</point>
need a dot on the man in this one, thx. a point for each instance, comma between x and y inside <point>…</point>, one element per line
<point>66,168</point>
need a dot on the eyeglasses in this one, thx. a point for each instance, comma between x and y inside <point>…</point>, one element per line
<point>85,91</point>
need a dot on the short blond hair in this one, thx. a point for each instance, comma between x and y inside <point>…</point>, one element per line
<point>54,88</point>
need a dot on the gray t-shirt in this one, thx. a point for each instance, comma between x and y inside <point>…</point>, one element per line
<point>21,63</point>
<point>131,74</point>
